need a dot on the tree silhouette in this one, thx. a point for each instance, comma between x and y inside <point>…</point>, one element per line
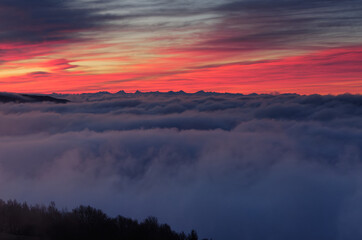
<point>192,235</point>
<point>84,222</point>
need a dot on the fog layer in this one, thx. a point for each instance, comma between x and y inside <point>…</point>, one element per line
<point>231,166</point>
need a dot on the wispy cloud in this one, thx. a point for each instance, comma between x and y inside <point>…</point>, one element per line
<point>46,20</point>
<point>289,24</point>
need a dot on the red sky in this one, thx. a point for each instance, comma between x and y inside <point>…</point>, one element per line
<point>234,46</point>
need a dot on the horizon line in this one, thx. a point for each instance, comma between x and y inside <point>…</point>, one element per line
<point>273,93</point>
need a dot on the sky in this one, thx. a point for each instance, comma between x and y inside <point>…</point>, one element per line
<point>232,167</point>
<point>261,46</point>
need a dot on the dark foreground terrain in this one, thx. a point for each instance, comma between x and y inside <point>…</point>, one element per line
<point>19,221</point>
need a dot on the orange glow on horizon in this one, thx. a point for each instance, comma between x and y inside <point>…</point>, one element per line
<point>42,70</point>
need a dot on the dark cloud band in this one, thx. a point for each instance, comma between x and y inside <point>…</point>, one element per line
<point>46,20</point>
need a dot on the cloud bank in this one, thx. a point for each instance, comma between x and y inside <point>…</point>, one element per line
<point>231,166</point>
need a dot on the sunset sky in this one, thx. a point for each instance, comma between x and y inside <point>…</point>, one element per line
<point>282,163</point>
<point>246,46</point>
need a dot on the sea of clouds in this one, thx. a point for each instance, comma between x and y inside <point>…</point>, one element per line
<point>231,166</point>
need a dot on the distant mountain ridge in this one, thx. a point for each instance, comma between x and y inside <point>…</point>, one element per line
<point>29,98</point>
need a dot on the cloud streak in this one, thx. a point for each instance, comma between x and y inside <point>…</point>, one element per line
<point>45,21</point>
<point>288,24</point>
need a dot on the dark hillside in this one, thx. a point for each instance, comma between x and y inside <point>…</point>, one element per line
<point>25,98</point>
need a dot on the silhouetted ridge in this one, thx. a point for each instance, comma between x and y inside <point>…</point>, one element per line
<point>21,221</point>
<point>25,98</point>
